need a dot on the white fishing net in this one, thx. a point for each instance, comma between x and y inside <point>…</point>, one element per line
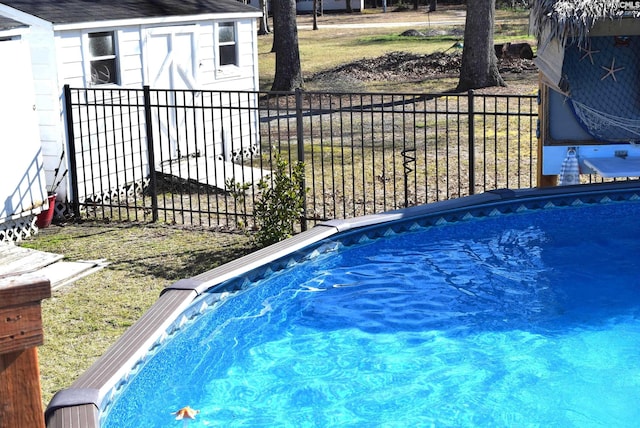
<point>602,123</point>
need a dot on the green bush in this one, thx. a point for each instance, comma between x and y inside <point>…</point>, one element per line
<point>281,202</point>
<point>238,192</point>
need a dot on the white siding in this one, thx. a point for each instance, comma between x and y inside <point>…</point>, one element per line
<point>229,132</point>
<point>69,69</point>
<point>242,77</point>
<point>206,55</point>
<point>47,95</point>
<point>130,56</point>
<point>246,36</point>
<point>111,146</point>
<point>70,59</point>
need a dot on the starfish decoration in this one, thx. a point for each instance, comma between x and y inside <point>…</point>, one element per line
<point>588,52</point>
<point>186,413</point>
<point>611,71</point>
<point>622,41</point>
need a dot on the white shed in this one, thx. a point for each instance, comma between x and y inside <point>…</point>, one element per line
<point>165,44</point>
<point>22,187</point>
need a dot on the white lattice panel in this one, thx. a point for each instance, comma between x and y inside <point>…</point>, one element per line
<point>18,229</point>
<point>123,193</point>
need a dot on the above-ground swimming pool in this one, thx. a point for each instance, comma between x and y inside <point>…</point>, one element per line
<point>519,309</point>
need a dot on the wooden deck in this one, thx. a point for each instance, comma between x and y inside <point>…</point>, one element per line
<point>19,261</point>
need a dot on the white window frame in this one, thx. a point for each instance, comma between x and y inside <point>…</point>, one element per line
<point>90,59</point>
<point>219,45</point>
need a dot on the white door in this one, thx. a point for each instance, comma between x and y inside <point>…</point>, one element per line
<point>171,64</point>
<point>23,184</point>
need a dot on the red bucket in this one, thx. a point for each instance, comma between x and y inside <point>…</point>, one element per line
<point>45,217</point>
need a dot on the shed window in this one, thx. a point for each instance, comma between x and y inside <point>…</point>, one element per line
<point>103,61</point>
<point>227,43</point>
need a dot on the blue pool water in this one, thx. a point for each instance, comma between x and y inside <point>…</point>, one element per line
<point>519,320</point>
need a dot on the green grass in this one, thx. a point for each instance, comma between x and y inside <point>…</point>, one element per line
<point>82,320</point>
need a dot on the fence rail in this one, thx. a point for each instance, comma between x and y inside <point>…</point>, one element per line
<point>195,157</point>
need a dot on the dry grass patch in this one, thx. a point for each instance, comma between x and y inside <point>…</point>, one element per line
<point>83,319</point>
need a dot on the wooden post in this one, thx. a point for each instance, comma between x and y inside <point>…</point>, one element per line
<point>20,333</point>
<point>543,180</point>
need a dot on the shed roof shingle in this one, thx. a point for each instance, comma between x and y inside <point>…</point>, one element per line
<point>9,24</point>
<point>77,11</point>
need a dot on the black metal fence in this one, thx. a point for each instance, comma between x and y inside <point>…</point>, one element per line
<point>195,157</point>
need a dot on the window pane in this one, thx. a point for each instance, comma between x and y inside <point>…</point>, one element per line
<point>227,55</point>
<point>103,71</point>
<point>226,33</point>
<point>101,44</point>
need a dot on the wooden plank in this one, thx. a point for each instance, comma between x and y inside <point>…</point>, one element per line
<point>20,401</point>
<point>20,315</point>
<point>20,327</point>
<point>15,260</point>
<point>20,265</point>
<point>63,273</point>
<point>18,290</point>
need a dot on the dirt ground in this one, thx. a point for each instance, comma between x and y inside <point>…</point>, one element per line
<point>519,74</point>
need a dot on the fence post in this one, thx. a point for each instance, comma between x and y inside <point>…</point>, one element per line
<point>472,156</point>
<point>300,138</point>
<point>150,154</point>
<point>71,144</point>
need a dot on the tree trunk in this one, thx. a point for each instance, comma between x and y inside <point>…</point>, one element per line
<point>288,75</point>
<point>415,4</point>
<point>264,21</point>
<point>432,5</point>
<point>274,13</point>
<point>349,9</point>
<point>315,14</point>
<point>479,68</point>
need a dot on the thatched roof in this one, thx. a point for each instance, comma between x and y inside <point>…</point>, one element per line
<point>575,18</point>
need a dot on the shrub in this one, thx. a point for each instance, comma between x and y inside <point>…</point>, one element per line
<point>238,192</point>
<point>281,202</point>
